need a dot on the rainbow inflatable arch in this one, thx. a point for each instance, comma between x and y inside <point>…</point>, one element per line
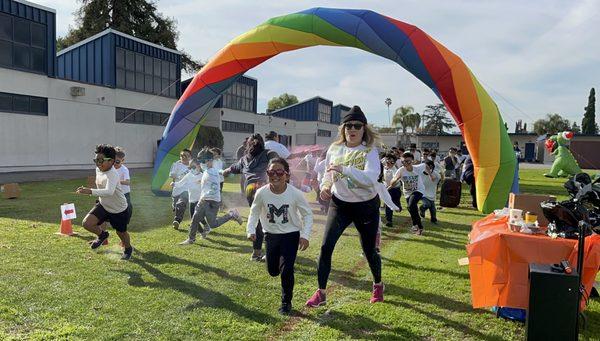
<point>445,73</point>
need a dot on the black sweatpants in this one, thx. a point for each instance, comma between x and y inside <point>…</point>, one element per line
<point>396,194</point>
<point>365,216</point>
<point>282,249</point>
<point>413,208</point>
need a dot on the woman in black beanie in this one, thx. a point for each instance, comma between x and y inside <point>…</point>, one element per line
<point>353,167</point>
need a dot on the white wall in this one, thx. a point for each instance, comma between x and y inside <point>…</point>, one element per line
<point>65,139</point>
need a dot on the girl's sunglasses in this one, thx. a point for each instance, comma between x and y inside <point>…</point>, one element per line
<point>99,161</point>
<point>356,126</point>
<point>278,172</point>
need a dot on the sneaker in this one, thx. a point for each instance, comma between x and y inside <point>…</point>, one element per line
<point>388,224</point>
<point>127,253</point>
<point>377,293</point>
<point>285,309</point>
<point>187,242</point>
<point>377,250</point>
<point>205,232</point>
<point>235,215</point>
<point>98,241</point>
<point>176,224</point>
<point>422,212</point>
<point>257,257</point>
<point>316,300</point>
<point>414,228</point>
<point>418,232</point>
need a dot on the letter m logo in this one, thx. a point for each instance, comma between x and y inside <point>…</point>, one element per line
<point>274,211</point>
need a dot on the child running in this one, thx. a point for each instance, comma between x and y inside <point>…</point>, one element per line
<point>412,185</point>
<point>192,181</point>
<point>112,204</point>
<point>286,220</point>
<point>430,182</point>
<point>210,200</point>
<point>124,178</point>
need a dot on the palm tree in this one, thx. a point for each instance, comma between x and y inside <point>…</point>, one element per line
<point>402,118</point>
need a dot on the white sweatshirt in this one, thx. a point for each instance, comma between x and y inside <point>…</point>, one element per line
<point>211,185</point>
<point>108,189</point>
<point>124,175</point>
<point>191,181</point>
<point>360,170</point>
<point>178,171</point>
<point>218,165</point>
<point>280,213</point>
<point>411,181</point>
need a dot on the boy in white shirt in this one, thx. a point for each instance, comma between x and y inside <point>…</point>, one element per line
<point>413,188</point>
<point>210,200</point>
<point>431,179</point>
<point>286,219</point>
<point>112,205</point>
<point>389,170</point>
<point>179,194</point>
<point>124,178</point>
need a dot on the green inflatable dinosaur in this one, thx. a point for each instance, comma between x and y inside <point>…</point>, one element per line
<point>565,164</point>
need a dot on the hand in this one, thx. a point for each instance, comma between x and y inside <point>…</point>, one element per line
<point>333,168</point>
<point>325,193</point>
<point>303,245</point>
<point>226,172</point>
<point>172,184</point>
<point>83,190</point>
<point>252,237</point>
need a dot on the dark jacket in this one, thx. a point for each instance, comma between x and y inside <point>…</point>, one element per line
<point>253,168</point>
<point>468,175</point>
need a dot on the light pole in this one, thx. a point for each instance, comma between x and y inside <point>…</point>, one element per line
<point>388,102</point>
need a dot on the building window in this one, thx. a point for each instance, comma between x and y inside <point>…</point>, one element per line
<point>324,113</point>
<point>125,115</point>
<point>23,44</point>
<point>324,133</point>
<point>239,97</point>
<point>23,104</point>
<point>237,127</point>
<point>138,72</point>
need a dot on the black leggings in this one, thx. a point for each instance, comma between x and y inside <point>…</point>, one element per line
<point>250,193</point>
<point>413,208</point>
<point>365,216</point>
<point>282,249</point>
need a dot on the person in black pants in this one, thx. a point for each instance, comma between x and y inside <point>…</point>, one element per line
<point>468,177</point>
<point>286,220</point>
<point>413,188</point>
<point>353,167</point>
<point>253,167</point>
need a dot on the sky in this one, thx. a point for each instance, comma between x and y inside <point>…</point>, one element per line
<point>534,57</point>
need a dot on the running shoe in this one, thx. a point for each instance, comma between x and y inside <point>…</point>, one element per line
<point>377,293</point>
<point>98,241</point>
<point>316,300</point>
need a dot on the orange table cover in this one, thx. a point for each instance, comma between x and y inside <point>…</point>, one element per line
<point>499,261</point>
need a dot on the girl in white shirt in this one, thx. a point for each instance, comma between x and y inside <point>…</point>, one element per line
<point>286,219</point>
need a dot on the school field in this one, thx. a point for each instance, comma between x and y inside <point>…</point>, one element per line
<point>54,287</point>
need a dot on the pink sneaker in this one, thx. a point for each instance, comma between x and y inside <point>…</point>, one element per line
<point>377,293</point>
<point>316,300</point>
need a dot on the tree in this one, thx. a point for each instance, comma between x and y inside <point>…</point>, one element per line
<point>436,118</point>
<point>281,101</point>
<point>575,128</point>
<point>588,125</point>
<point>138,18</point>
<point>552,124</point>
<point>402,117</point>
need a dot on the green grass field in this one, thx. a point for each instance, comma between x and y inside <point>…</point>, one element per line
<point>54,287</point>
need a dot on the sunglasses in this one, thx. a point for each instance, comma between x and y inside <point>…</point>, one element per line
<point>184,156</point>
<point>278,172</point>
<point>117,162</point>
<point>406,162</point>
<point>356,126</point>
<point>99,161</point>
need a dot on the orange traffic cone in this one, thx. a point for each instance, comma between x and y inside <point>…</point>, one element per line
<point>66,229</point>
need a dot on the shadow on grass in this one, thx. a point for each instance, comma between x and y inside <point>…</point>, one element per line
<point>399,264</point>
<point>462,328</point>
<point>205,297</point>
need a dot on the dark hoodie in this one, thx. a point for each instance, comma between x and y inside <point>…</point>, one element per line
<point>254,168</point>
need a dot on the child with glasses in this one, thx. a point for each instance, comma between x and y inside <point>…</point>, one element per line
<point>179,193</point>
<point>112,204</point>
<point>286,220</point>
<point>413,188</point>
<point>210,200</point>
<point>124,178</point>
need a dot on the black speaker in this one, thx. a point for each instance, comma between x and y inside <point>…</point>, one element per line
<point>553,304</point>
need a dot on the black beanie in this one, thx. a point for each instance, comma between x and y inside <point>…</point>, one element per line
<point>355,114</point>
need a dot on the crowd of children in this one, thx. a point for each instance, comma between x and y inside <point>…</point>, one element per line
<point>350,179</point>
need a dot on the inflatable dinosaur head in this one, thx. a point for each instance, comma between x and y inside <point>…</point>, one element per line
<point>562,139</point>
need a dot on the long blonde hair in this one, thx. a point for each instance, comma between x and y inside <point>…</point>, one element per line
<point>370,136</point>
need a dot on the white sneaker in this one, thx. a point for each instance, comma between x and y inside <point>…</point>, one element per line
<point>187,242</point>
<point>235,215</point>
<point>176,224</point>
<point>414,228</point>
<point>205,232</point>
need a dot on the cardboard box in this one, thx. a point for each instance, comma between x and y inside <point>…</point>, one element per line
<point>530,203</point>
<point>11,191</point>
<point>91,181</point>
